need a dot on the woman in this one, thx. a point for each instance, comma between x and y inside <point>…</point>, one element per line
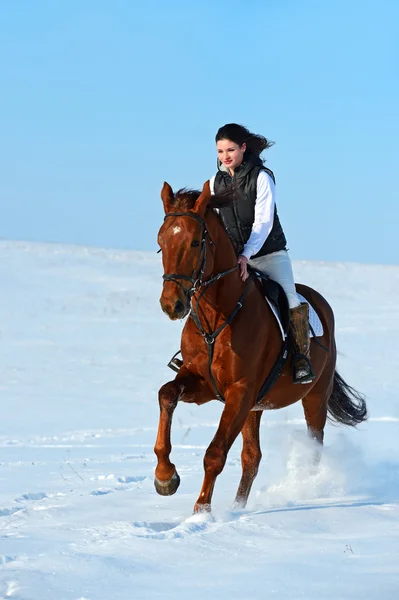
<point>252,223</point>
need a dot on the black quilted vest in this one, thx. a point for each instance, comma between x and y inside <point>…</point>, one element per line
<point>239,215</point>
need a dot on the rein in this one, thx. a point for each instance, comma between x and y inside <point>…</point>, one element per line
<point>197,283</point>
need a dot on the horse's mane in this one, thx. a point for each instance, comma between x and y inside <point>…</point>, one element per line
<point>186,198</point>
<point>222,199</point>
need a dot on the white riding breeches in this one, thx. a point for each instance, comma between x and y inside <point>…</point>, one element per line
<point>278,267</point>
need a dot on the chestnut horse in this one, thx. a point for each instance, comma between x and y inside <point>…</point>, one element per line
<point>229,344</point>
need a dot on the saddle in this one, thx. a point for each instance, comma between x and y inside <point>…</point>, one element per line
<point>276,296</point>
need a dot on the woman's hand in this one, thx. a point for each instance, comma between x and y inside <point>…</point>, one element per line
<point>242,263</point>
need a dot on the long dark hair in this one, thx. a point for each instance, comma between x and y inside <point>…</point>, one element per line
<point>239,135</point>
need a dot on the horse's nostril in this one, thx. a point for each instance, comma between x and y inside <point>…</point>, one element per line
<point>179,307</point>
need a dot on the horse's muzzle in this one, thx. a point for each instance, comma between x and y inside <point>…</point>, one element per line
<point>175,310</point>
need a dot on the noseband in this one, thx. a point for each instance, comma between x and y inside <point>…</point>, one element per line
<point>196,281</point>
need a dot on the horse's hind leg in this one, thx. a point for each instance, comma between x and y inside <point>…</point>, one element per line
<point>315,406</point>
<point>185,387</point>
<point>315,409</point>
<point>250,457</point>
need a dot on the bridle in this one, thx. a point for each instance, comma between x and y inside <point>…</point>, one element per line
<point>198,273</point>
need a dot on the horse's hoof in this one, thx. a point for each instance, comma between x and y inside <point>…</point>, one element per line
<point>167,488</point>
<point>239,503</point>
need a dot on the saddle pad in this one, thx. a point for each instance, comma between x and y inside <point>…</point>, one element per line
<point>314,320</point>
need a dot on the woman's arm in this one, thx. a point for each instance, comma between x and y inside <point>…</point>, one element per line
<point>212,185</point>
<point>264,215</point>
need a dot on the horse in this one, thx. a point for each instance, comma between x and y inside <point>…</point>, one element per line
<point>230,342</point>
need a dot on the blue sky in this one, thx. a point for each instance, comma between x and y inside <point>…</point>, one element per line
<point>102,101</point>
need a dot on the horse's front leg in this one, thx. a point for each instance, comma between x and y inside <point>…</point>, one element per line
<point>185,387</point>
<point>250,457</point>
<point>234,415</point>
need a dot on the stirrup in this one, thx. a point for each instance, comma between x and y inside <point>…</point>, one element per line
<point>175,363</point>
<point>308,375</point>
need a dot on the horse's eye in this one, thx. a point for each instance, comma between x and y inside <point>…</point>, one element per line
<point>195,244</point>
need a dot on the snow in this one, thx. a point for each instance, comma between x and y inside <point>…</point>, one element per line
<point>83,352</point>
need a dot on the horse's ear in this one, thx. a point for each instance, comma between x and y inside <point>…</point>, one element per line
<point>167,197</point>
<point>203,199</point>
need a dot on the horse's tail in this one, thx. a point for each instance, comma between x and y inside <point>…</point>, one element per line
<point>345,404</point>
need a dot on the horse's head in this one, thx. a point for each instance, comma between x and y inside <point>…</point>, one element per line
<point>184,242</point>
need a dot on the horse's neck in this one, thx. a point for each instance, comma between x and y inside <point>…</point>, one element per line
<point>222,296</point>
<point>224,256</point>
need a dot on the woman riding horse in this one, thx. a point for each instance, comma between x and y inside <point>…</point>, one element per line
<point>253,225</point>
<point>229,344</point>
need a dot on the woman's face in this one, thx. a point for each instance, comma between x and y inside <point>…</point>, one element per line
<point>230,153</point>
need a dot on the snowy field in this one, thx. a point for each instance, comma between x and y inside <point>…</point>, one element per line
<point>83,351</point>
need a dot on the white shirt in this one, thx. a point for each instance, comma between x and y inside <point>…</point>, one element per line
<point>264,213</point>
